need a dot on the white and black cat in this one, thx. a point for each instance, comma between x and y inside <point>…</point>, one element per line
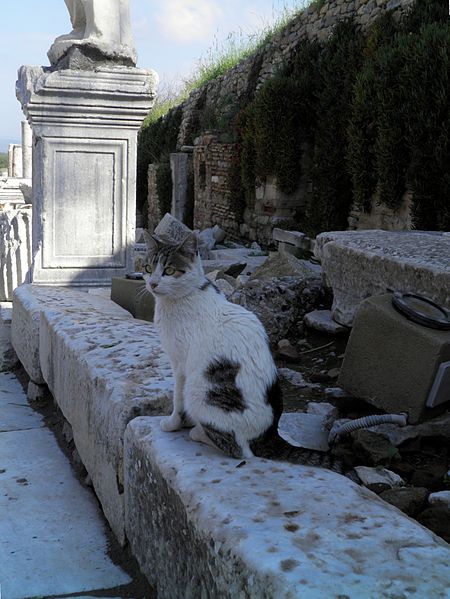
<point>226,382</point>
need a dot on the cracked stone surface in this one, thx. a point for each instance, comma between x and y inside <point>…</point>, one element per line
<point>359,264</point>
<point>103,369</point>
<point>53,540</point>
<point>264,529</point>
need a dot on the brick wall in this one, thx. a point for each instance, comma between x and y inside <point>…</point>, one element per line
<point>212,204</point>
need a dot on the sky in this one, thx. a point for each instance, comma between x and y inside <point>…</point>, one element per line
<point>170,37</point>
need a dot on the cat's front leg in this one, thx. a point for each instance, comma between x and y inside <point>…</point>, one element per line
<point>177,420</point>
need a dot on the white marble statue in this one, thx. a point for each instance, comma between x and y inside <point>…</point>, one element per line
<point>102,24</point>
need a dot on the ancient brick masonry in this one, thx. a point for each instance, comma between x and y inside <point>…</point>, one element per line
<point>212,161</point>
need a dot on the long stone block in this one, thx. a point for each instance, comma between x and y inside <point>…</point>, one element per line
<point>28,303</point>
<point>200,526</point>
<point>359,264</point>
<point>103,369</point>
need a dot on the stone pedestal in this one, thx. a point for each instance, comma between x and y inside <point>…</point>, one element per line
<point>85,127</point>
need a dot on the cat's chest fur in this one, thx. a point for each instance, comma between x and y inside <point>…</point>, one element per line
<point>186,326</point>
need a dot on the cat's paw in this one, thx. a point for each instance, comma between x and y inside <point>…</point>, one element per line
<point>171,423</point>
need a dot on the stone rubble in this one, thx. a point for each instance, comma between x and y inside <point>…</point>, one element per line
<point>322,320</point>
<point>378,476</point>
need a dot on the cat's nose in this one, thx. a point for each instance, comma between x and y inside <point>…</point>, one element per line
<point>153,285</point>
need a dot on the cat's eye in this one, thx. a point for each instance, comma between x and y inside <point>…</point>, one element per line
<point>148,268</point>
<point>169,271</point>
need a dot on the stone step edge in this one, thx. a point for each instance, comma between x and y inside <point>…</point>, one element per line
<point>204,525</point>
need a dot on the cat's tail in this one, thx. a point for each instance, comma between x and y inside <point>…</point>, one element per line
<point>274,447</point>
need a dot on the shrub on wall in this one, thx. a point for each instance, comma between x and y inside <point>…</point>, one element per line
<point>399,134</point>
<point>338,66</point>
<point>156,139</point>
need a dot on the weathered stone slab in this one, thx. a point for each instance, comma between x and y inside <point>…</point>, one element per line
<point>84,121</point>
<point>171,228</point>
<point>28,303</point>
<point>285,265</point>
<point>103,370</point>
<point>295,238</point>
<point>359,264</point>
<point>390,361</point>
<point>201,527</point>
<point>304,430</point>
<point>322,320</point>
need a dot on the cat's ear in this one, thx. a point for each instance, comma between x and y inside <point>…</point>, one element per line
<point>189,246</point>
<point>151,242</point>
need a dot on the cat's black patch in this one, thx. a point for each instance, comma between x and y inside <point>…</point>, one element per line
<point>274,397</point>
<point>226,442</point>
<point>222,371</point>
<point>228,399</point>
<point>224,393</point>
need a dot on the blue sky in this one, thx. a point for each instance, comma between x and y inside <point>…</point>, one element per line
<point>170,37</point>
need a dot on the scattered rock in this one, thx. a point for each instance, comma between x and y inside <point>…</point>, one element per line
<point>304,430</point>
<point>438,427</point>
<point>171,228</point>
<point>431,476</point>
<point>242,280</point>
<point>286,351</point>
<point>224,286</point>
<point>333,373</point>
<point>255,247</point>
<point>321,320</point>
<point>280,303</point>
<point>229,267</point>
<point>372,477</point>
<point>208,238</point>
<point>335,392</point>
<point>374,448</point>
<point>295,378</point>
<point>440,499</point>
<point>296,239</point>
<point>284,265</point>
<point>327,411</point>
<point>409,500</point>
<point>437,519</point>
<point>216,275</point>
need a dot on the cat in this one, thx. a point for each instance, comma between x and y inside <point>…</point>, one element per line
<point>226,381</point>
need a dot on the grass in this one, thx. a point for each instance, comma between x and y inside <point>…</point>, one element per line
<point>226,54</point>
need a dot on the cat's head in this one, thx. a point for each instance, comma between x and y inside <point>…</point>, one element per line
<point>172,269</point>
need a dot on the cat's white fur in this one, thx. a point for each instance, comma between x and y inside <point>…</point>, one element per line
<point>198,326</point>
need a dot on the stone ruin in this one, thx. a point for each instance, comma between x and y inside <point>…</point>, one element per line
<point>91,354</point>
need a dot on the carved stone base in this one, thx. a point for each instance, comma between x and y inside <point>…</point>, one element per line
<point>85,125</point>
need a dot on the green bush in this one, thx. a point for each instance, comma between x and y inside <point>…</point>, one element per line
<point>399,133</point>
<point>3,160</point>
<point>338,66</point>
<point>156,139</point>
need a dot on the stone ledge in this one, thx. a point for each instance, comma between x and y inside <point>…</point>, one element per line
<point>359,264</point>
<point>201,527</point>
<point>103,369</point>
